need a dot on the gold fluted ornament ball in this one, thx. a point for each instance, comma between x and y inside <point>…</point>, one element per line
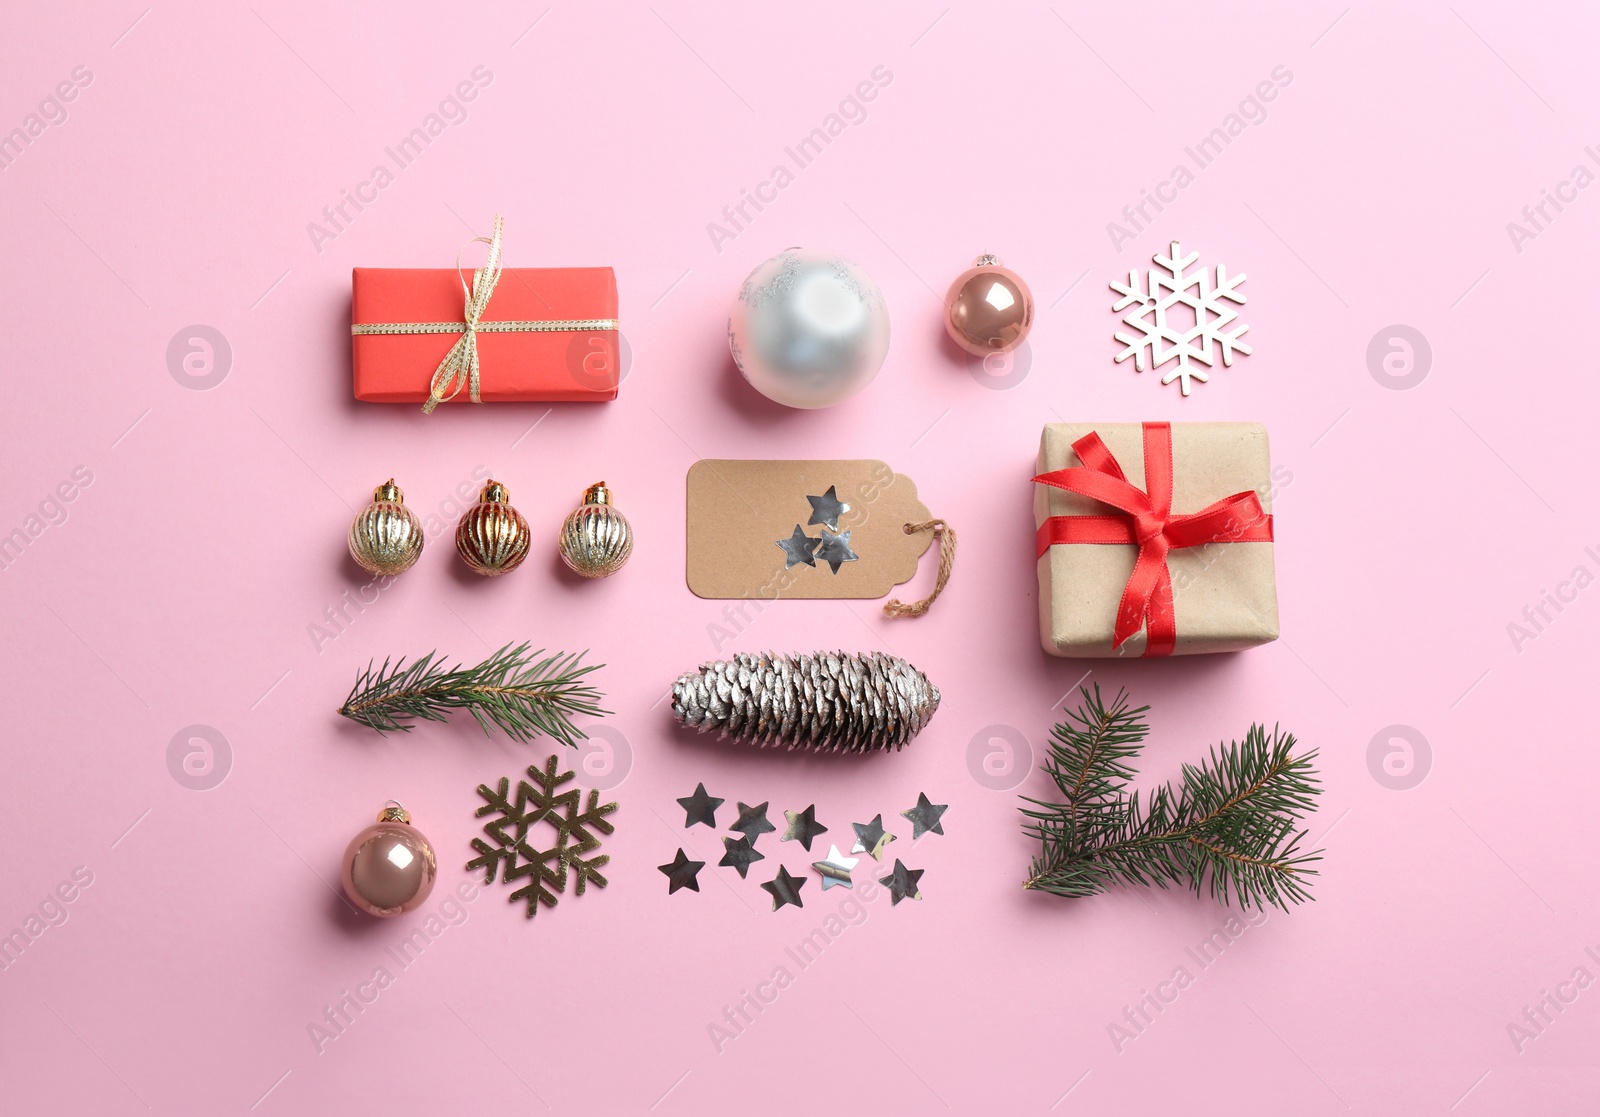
<point>492,536</point>
<point>389,868</point>
<point>596,539</point>
<point>386,536</point>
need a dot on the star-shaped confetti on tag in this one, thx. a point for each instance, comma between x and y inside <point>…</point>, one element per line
<point>827,508</point>
<point>835,549</point>
<point>798,548</point>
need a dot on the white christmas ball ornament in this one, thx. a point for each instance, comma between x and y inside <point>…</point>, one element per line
<point>809,329</point>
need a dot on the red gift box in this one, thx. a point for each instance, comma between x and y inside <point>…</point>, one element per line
<point>546,334</point>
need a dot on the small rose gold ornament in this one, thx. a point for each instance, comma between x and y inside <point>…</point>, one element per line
<point>989,308</point>
<point>492,536</point>
<point>596,539</point>
<point>389,867</point>
<point>386,536</point>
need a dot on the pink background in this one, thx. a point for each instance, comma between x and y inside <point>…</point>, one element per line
<point>179,588</point>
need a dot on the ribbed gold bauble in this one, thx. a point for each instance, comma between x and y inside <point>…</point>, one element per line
<point>596,539</point>
<point>386,536</point>
<point>492,536</point>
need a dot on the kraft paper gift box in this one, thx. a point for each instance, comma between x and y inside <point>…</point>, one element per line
<point>547,357</point>
<point>1213,589</point>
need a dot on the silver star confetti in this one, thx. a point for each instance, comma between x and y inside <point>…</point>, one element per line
<point>836,869</point>
<point>827,508</point>
<point>785,889</point>
<point>739,854</point>
<point>871,838</point>
<point>803,826</point>
<point>925,817</point>
<point>798,548</point>
<point>902,883</point>
<point>835,549</point>
<point>752,822</point>
<point>700,807</point>
<point>681,872</point>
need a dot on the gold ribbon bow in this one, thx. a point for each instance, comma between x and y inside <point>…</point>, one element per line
<point>460,367</point>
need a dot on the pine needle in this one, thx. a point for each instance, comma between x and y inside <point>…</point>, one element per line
<point>1229,827</point>
<point>525,695</point>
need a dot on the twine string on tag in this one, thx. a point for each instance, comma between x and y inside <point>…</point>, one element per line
<point>947,559</point>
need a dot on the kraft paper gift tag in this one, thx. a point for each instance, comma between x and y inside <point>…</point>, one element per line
<point>806,529</point>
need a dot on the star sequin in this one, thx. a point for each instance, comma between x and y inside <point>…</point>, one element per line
<point>785,889</point>
<point>835,549</point>
<point>739,854</point>
<point>836,869</point>
<point>798,548</point>
<point>902,883</point>
<point>700,807</point>
<point>871,837</point>
<point>803,826</point>
<point>681,872</point>
<point>827,508</point>
<point>925,817</point>
<point>752,822</point>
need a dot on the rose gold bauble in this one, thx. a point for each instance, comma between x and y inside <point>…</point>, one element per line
<point>989,309</point>
<point>492,536</point>
<point>389,867</point>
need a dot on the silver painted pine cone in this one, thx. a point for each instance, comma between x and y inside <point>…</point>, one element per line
<point>386,536</point>
<point>827,702</point>
<point>596,539</point>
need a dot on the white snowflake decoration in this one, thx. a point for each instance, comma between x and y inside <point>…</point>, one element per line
<point>1159,340</point>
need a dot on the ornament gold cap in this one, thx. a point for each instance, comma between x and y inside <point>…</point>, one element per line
<point>388,492</point>
<point>494,493</point>
<point>988,260</point>
<point>597,493</point>
<point>394,812</point>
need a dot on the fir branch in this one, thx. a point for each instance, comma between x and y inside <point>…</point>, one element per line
<point>1230,827</point>
<point>525,695</point>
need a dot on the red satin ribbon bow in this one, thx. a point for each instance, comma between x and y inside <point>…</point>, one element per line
<point>1148,522</point>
